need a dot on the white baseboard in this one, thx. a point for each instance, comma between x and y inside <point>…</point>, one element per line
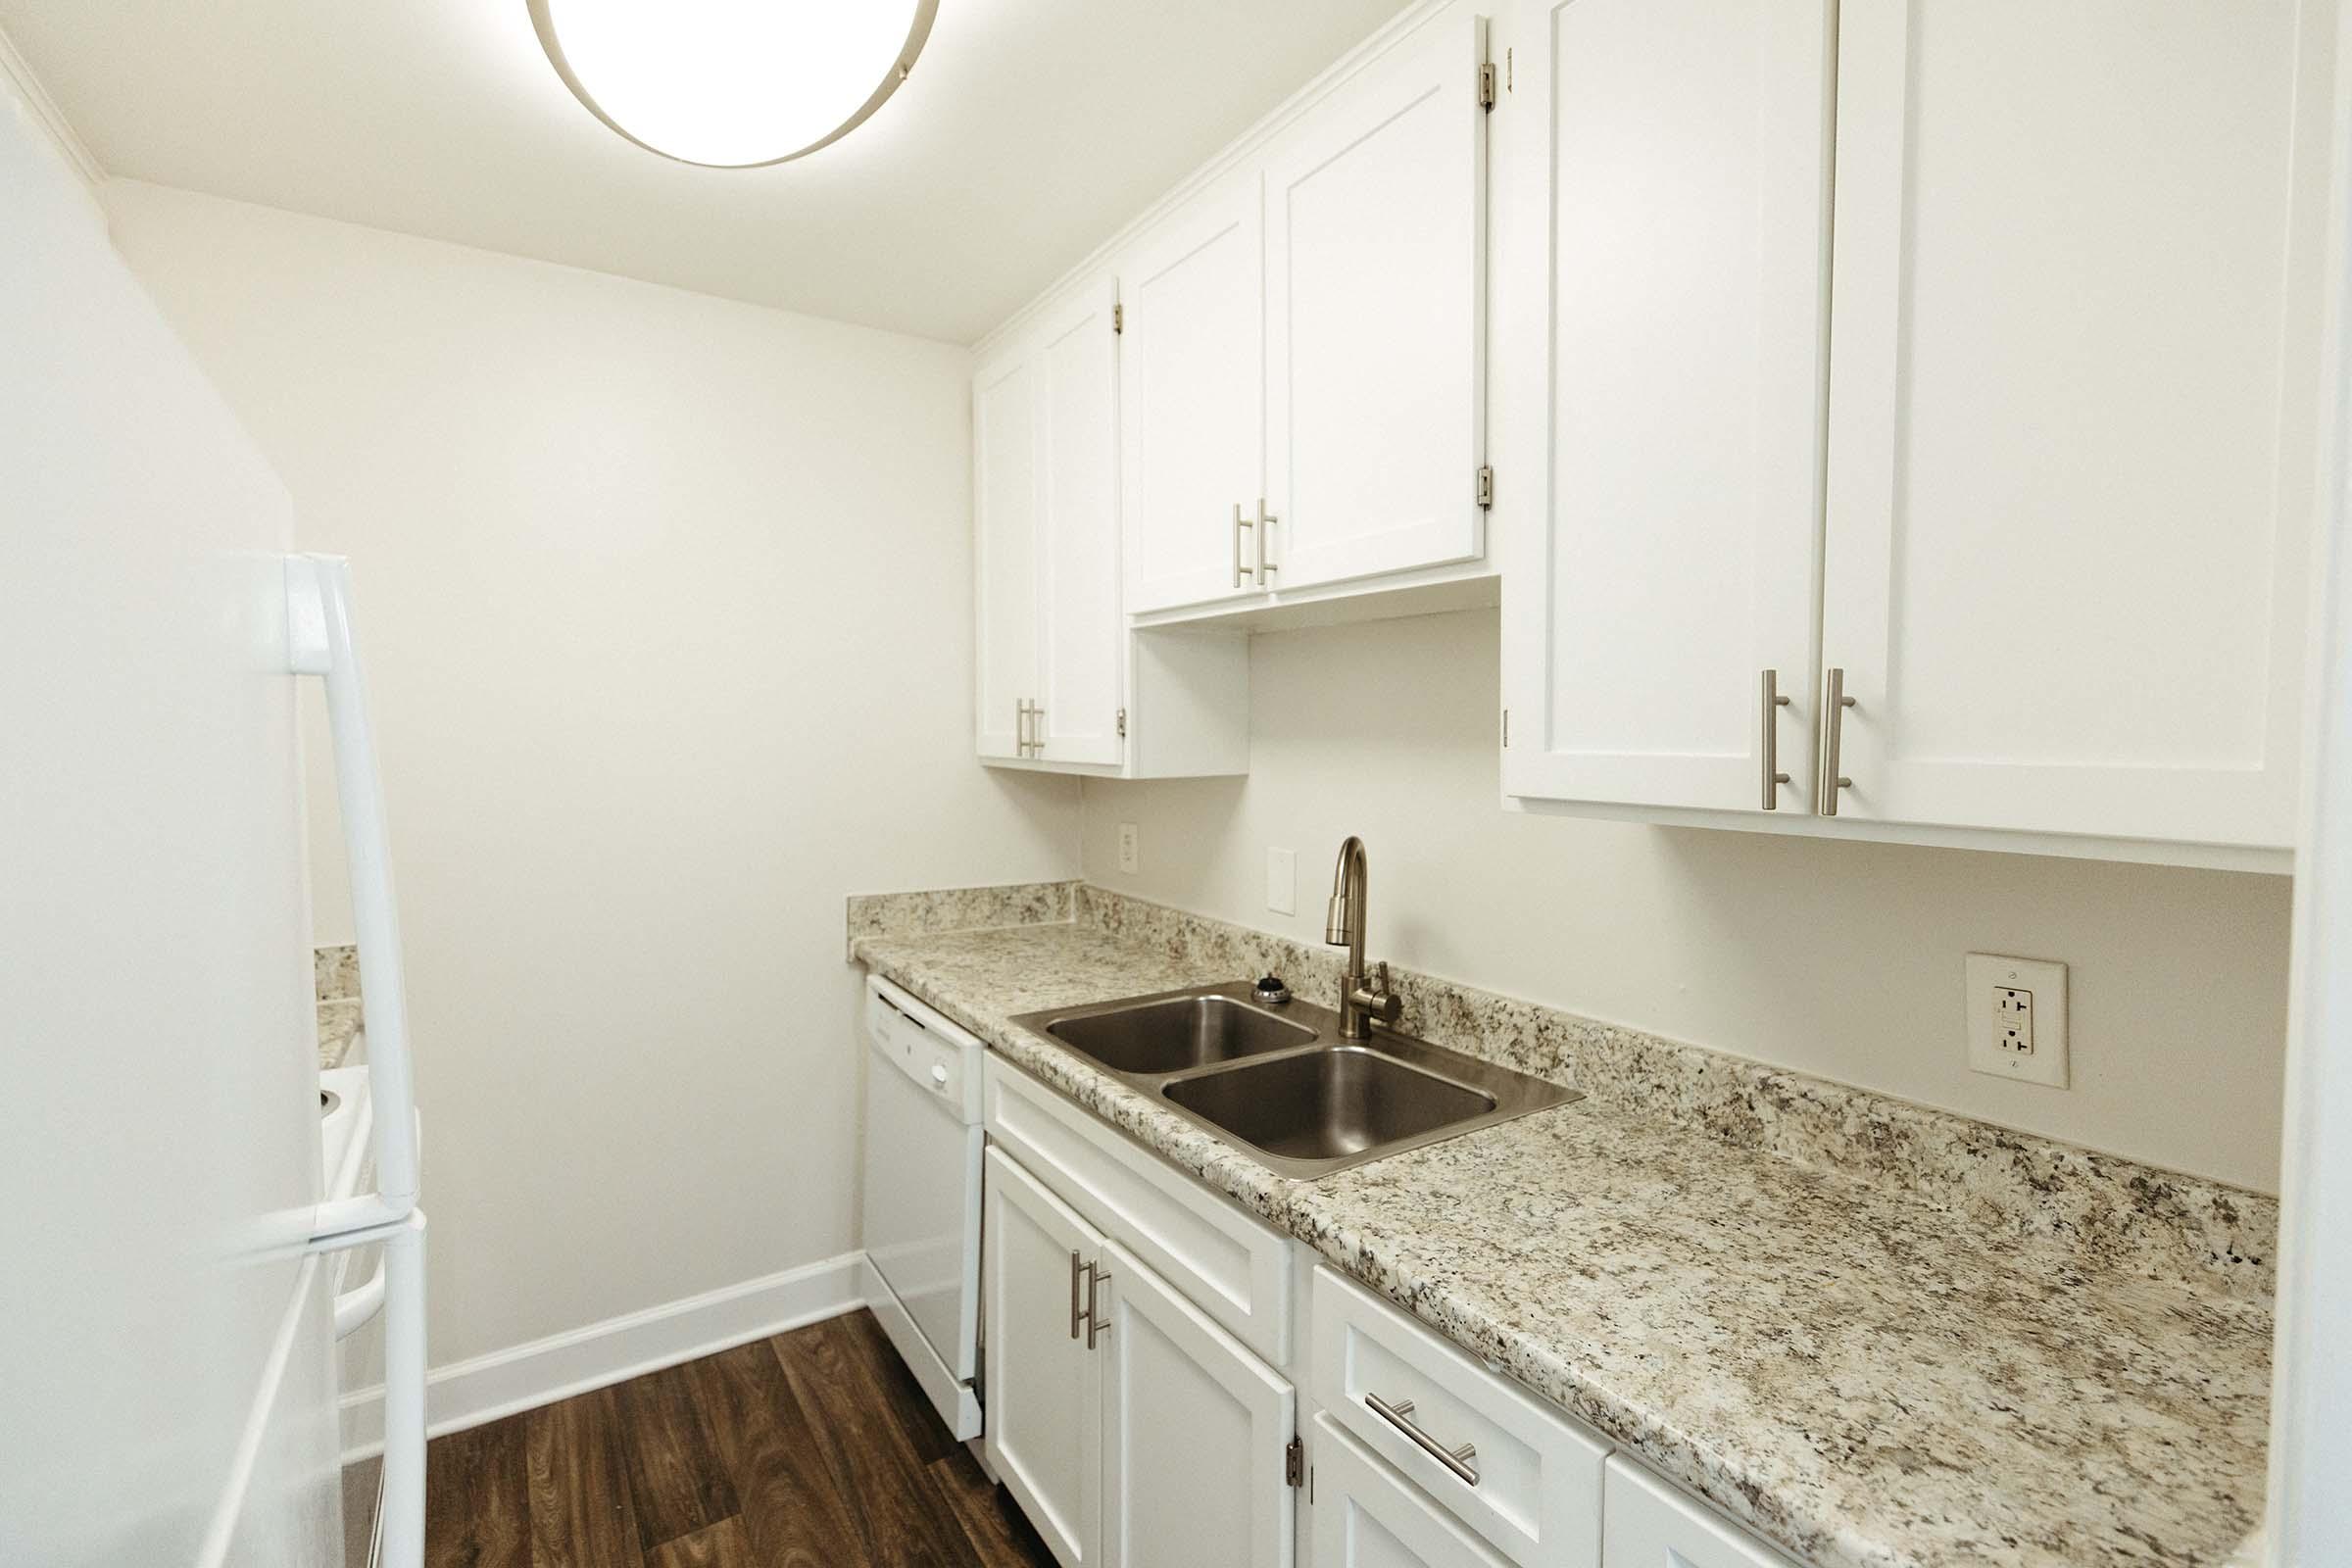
<point>503,1382</point>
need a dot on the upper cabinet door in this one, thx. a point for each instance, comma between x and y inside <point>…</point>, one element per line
<point>1192,388</point>
<point>2074,385</point>
<point>1670,223</point>
<point>1081,632</point>
<point>1375,211</point>
<point>1005,513</point>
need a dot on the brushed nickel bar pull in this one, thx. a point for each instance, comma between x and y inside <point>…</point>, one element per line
<point>1397,1415</point>
<point>1834,704</point>
<point>1094,1326</point>
<point>1239,523</point>
<point>1774,778</point>
<point>1020,727</point>
<point>1264,525</point>
<point>1036,730</point>
<point>1074,1313</point>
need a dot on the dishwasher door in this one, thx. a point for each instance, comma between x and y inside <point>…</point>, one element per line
<point>924,1142</point>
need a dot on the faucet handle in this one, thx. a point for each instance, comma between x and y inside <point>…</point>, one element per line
<point>1380,977</point>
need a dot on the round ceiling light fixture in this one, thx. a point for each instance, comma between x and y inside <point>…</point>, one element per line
<point>732,83</point>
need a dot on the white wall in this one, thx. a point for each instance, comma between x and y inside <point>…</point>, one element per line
<point>667,604</point>
<point>1842,960</point>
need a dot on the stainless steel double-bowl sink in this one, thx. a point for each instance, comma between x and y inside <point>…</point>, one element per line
<point>1283,1085</point>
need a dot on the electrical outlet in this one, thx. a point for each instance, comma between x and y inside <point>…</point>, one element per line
<point>2017,1018</point>
<point>1282,881</point>
<point>1130,857</point>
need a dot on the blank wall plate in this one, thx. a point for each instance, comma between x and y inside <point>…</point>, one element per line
<point>2017,1018</point>
<point>1129,855</point>
<point>1282,881</point>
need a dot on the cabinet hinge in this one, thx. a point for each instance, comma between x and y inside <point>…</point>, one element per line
<point>1506,727</point>
<point>1122,723</point>
<point>1486,86</point>
<point>1118,317</point>
<point>1294,1463</point>
<point>1485,485</point>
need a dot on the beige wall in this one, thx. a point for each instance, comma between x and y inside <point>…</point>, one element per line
<point>666,608</point>
<point>1836,958</point>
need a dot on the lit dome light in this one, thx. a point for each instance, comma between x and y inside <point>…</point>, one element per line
<point>732,83</point>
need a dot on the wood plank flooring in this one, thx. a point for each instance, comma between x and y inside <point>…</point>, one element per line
<point>812,1450</point>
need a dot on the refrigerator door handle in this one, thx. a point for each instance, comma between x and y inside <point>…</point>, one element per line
<point>399,1280</point>
<point>321,641</point>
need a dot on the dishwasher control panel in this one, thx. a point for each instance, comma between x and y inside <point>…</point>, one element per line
<point>936,1054</point>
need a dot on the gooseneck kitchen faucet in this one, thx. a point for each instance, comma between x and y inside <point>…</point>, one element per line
<point>1362,998</point>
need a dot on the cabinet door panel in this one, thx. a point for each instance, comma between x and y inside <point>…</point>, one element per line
<point>1375,212</point>
<point>1080,630</point>
<point>2073,391</point>
<point>1192,369</point>
<point>1677,229</point>
<point>1652,1526</point>
<point>1366,1516</point>
<point>1044,1404</point>
<point>1195,1433</point>
<point>1005,544</point>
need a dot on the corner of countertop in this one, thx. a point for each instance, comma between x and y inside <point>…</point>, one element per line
<point>935,909</point>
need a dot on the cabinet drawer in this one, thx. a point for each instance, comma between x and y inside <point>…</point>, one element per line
<point>1219,1258</point>
<point>1367,1517</point>
<point>1654,1526</point>
<point>1536,1491</point>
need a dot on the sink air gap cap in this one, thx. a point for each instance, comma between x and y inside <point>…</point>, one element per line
<point>732,83</point>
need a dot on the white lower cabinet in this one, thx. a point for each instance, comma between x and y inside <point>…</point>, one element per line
<point>1511,1467</point>
<point>1142,1379</point>
<point>1650,1525</point>
<point>1042,1383</point>
<point>1196,1434</point>
<point>1132,1430</point>
<point>1367,1516</point>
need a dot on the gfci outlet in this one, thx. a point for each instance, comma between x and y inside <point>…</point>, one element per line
<point>2017,1018</point>
<point>1130,860</point>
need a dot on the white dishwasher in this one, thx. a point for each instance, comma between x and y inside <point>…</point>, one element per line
<point>923,1140</point>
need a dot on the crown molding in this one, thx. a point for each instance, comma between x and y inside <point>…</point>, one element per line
<point>43,111</point>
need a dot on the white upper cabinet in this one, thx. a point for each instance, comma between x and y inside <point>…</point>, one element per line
<point>1081,637</point>
<point>1062,682</point>
<point>2075,387</point>
<point>1672,230</point>
<point>1302,385</point>
<point>2018,444</point>
<point>1375,273</point>
<point>1005,556</point>
<point>1191,362</point>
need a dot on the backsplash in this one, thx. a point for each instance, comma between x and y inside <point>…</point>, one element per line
<point>335,977</point>
<point>962,909</point>
<point>2118,1212</point>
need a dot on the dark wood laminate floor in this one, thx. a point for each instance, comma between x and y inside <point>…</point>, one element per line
<point>812,1450</point>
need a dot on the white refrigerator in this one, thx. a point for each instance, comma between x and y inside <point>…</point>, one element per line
<point>166,1378</point>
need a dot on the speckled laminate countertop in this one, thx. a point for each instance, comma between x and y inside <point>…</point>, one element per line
<point>1864,1378</point>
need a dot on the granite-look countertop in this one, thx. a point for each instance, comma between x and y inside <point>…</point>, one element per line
<point>1859,1376</point>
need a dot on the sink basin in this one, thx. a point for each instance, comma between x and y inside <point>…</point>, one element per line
<point>1287,1089</point>
<point>1176,1033</point>
<point>1328,1105</point>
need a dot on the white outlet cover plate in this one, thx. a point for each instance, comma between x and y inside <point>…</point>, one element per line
<point>1282,881</point>
<point>1130,860</point>
<point>1988,972</point>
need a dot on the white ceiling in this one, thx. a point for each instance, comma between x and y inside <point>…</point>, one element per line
<point>1029,131</point>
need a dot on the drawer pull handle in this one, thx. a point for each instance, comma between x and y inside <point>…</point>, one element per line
<point>1075,1314</point>
<point>1398,1415</point>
